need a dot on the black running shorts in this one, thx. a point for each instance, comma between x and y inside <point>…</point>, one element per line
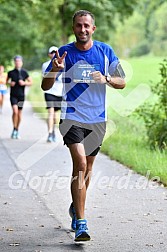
<point>53,101</point>
<point>17,100</point>
<point>90,135</point>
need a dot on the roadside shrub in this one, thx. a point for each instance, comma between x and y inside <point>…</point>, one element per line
<point>155,115</point>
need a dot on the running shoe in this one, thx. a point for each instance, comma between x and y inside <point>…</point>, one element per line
<point>81,232</point>
<point>50,138</point>
<point>14,134</point>
<point>54,136</point>
<point>72,213</point>
<point>17,135</point>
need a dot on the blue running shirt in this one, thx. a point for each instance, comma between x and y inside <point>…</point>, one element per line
<point>84,100</point>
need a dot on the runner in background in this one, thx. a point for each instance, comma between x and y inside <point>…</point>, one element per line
<point>53,98</point>
<point>18,78</point>
<point>3,86</point>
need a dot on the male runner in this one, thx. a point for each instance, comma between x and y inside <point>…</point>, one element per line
<point>18,78</point>
<point>53,98</point>
<point>88,66</point>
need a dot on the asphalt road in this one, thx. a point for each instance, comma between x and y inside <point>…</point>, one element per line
<point>125,211</point>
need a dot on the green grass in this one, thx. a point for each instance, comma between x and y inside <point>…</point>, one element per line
<point>36,95</point>
<point>145,69</point>
<point>128,143</point>
<point>128,146</point>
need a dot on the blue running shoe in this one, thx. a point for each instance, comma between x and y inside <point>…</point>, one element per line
<point>73,216</point>
<point>54,136</point>
<point>14,134</point>
<point>17,135</point>
<point>81,232</point>
<point>50,138</point>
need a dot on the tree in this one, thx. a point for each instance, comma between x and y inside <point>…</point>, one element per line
<point>18,34</point>
<point>29,27</point>
<point>144,31</point>
<point>147,8</point>
<point>158,31</point>
<point>129,34</point>
<point>104,11</point>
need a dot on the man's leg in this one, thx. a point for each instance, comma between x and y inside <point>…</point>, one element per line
<point>78,186</point>
<point>50,123</point>
<point>50,116</point>
<point>82,170</point>
<point>1,102</point>
<point>89,166</point>
<point>57,108</point>
<point>19,118</point>
<point>50,120</point>
<point>56,117</point>
<point>15,116</point>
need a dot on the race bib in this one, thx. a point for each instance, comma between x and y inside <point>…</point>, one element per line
<point>83,72</point>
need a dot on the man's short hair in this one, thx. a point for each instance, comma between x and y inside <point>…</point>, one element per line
<point>18,57</point>
<point>83,13</point>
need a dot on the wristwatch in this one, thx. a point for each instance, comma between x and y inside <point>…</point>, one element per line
<point>108,78</point>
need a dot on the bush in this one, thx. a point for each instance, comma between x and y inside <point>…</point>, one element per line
<point>155,115</point>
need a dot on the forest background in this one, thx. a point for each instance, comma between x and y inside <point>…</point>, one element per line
<point>29,27</point>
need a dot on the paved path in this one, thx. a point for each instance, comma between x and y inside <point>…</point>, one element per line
<point>125,211</point>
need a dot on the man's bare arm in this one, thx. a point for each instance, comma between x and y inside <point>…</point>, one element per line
<point>57,65</point>
<point>116,82</point>
<point>48,80</point>
<point>27,82</point>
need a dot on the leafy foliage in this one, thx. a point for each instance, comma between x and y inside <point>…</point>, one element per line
<point>143,32</point>
<point>29,27</point>
<point>155,115</point>
<point>104,11</point>
<point>18,34</point>
<point>158,31</point>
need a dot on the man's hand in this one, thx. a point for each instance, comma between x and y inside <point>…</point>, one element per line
<point>115,82</point>
<point>57,65</point>
<point>58,62</point>
<point>12,83</point>
<point>98,77</point>
<point>21,83</point>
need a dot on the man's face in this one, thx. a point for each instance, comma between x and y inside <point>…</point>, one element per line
<point>83,28</point>
<point>51,55</point>
<point>18,63</point>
